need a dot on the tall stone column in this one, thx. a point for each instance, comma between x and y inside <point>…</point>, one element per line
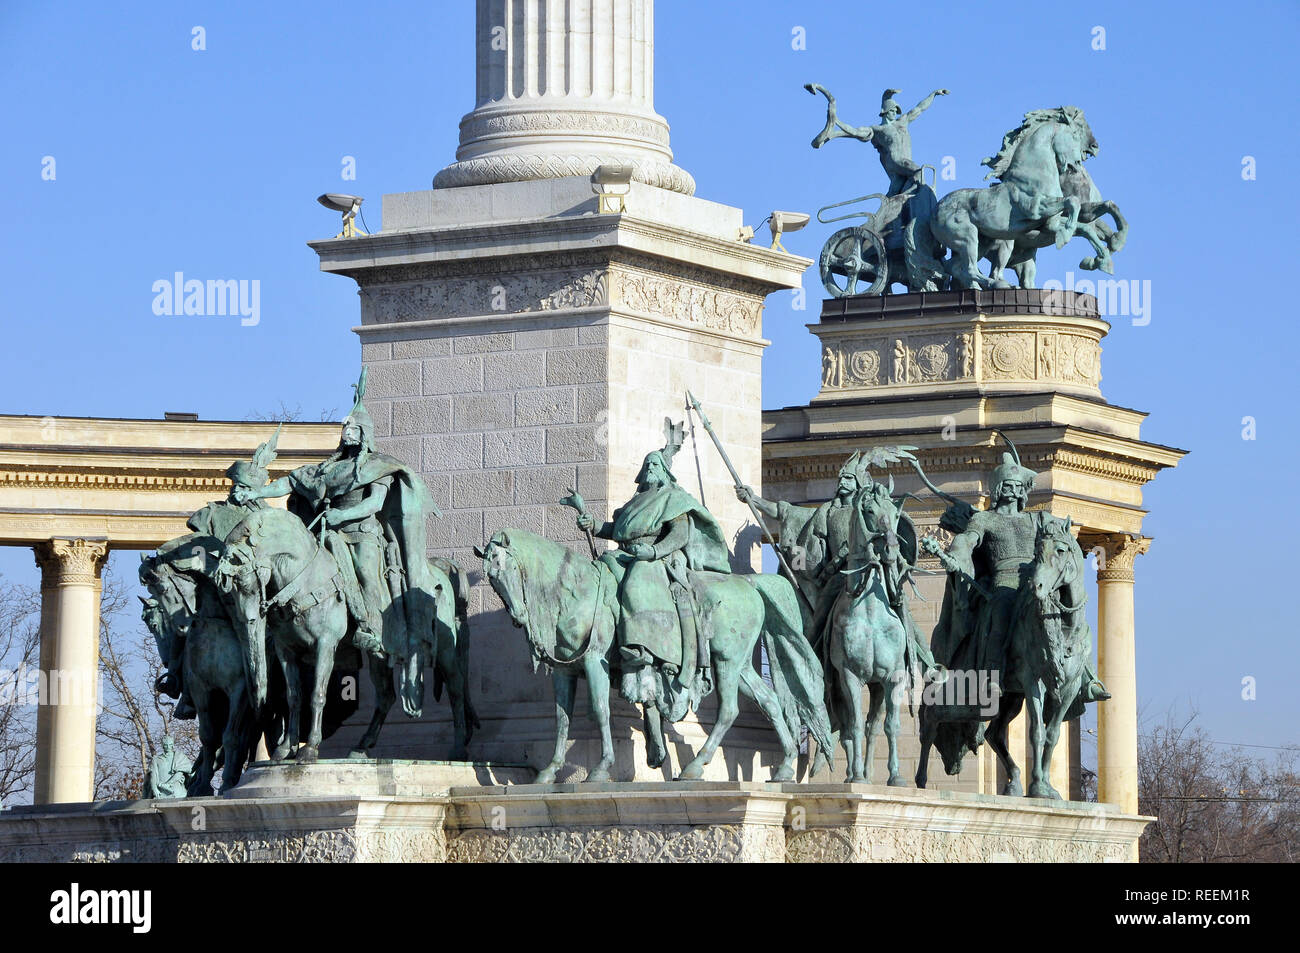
<point>70,592</point>
<point>49,566</point>
<point>563,86</point>
<point>1117,769</point>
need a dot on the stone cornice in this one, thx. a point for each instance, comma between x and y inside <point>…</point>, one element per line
<point>505,243</point>
<point>790,469</point>
<point>152,480</point>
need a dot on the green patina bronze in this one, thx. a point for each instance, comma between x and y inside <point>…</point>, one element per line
<point>202,656</point>
<point>169,772</point>
<point>665,614</point>
<point>1043,196</point>
<point>253,581</point>
<point>852,557</point>
<point>1013,608</point>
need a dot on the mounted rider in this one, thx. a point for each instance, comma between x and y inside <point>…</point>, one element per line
<point>817,544</point>
<point>370,510</point>
<point>187,555</point>
<point>986,563</point>
<point>665,536</point>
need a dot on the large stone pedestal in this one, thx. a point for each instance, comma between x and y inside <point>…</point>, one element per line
<point>418,812</point>
<point>521,344</point>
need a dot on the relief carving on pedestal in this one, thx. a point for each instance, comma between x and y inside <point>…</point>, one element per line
<point>932,359</point>
<point>689,304</point>
<point>650,843</point>
<point>464,295</point>
<point>1009,355</point>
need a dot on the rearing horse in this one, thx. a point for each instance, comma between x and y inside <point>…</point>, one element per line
<point>1044,197</point>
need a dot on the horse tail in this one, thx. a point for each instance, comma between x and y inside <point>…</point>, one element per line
<point>796,670</point>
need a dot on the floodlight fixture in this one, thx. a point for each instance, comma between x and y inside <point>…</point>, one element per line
<point>349,205</point>
<point>611,182</point>
<point>782,222</point>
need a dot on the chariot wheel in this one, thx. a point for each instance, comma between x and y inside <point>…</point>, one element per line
<point>855,255</point>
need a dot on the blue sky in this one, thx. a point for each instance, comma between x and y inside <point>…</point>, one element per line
<point>208,162</point>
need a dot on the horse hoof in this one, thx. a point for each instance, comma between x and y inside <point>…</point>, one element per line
<point>459,754</point>
<point>280,754</point>
<point>545,776</point>
<point>1045,791</point>
<point>783,773</point>
<point>599,774</point>
<point>692,772</point>
<point>358,754</point>
<point>1013,789</point>
<point>306,755</point>
<point>897,781</point>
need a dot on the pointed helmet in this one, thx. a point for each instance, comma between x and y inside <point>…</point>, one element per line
<point>1011,469</point>
<point>359,416</point>
<point>674,435</point>
<point>856,466</point>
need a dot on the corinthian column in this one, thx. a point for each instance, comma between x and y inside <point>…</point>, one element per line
<point>1117,762</point>
<point>563,86</point>
<point>70,593</point>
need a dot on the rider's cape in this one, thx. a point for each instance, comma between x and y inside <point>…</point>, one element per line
<point>647,512</point>
<point>403,514</point>
<point>648,620</point>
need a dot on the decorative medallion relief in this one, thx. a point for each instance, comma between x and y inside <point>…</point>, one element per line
<point>981,353</point>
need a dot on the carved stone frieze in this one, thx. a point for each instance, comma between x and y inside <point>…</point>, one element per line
<point>688,303</point>
<point>1009,355</point>
<point>516,167</point>
<point>489,293</point>
<point>642,843</point>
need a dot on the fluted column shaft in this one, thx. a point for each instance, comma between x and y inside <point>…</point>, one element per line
<point>1117,743</point>
<point>70,666</point>
<point>561,87</point>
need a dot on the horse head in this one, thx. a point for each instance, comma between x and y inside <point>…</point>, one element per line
<point>1057,565</point>
<point>504,575</point>
<point>875,541</point>
<point>242,580</point>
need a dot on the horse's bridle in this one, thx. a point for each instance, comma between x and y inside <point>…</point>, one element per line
<point>542,654</point>
<point>263,572</point>
<point>1055,600</point>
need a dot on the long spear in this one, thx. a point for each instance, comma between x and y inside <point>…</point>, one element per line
<point>740,484</point>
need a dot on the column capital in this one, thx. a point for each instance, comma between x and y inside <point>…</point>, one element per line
<point>71,562</point>
<point>1117,553</point>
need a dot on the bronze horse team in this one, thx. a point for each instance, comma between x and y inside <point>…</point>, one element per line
<point>264,617</point>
